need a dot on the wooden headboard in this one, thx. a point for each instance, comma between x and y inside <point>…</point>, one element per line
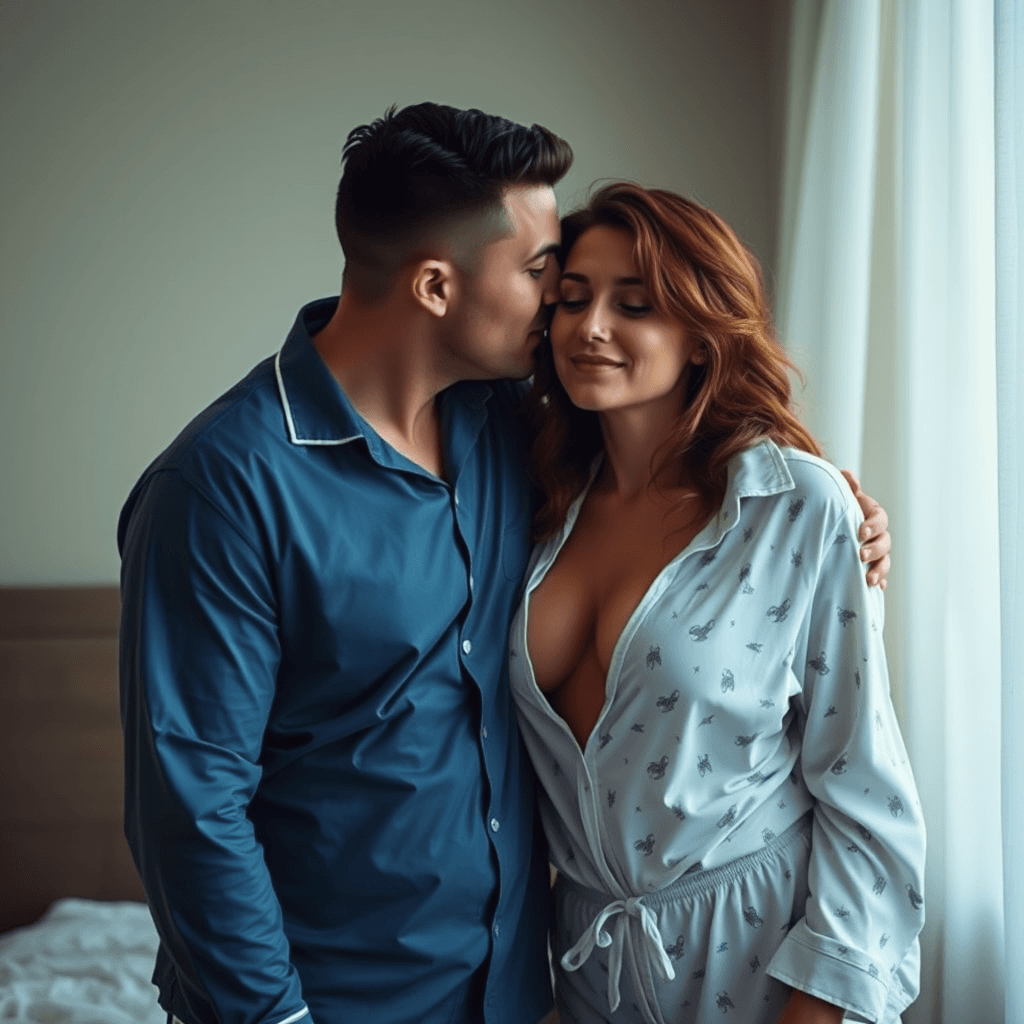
<point>60,751</point>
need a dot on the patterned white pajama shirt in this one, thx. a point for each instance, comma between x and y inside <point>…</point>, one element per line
<point>747,691</point>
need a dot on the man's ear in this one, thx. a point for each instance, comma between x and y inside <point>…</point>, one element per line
<point>433,285</point>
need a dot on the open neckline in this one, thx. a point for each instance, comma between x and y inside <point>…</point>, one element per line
<point>632,622</point>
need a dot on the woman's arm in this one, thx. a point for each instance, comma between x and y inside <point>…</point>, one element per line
<point>856,944</point>
<point>807,1009</point>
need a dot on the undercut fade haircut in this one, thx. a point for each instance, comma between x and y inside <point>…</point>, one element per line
<point>410,176</point>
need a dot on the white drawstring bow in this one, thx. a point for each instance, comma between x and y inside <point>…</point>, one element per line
<point>595,935</point>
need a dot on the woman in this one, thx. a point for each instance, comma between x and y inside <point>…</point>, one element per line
<point>697,660</point>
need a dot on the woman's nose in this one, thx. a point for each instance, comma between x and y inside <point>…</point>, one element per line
<point>594,325</point>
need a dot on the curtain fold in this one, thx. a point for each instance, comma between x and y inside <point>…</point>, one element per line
<point>1009,145</point>
<point>889,289</point>
<point>835,199</point>
<point>949,608</point>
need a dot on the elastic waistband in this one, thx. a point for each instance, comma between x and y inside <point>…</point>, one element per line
<point>699,882</point>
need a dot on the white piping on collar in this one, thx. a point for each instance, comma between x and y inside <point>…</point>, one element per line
<point>288,414</point>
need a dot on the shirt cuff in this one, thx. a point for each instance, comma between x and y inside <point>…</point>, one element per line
<point>298,1015</point>
<point>823,967</point>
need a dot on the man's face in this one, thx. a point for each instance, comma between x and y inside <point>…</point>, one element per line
<point>501,311</point>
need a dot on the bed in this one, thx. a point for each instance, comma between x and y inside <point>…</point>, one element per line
<point>77,945</point>
<point>76,942</point>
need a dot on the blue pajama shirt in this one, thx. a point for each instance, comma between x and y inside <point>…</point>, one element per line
<point>748,689</point>
<point>327,796</point>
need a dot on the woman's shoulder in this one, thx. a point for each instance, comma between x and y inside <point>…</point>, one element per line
<point>817,480</point>
<point>806,490</point>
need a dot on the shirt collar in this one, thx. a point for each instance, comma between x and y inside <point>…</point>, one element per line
<point>758,471</point>
<point>753,473</point>
<point>316,410</point>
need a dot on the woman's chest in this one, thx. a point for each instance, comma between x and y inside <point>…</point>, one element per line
<point>600,576</point>
<point>718,648</point>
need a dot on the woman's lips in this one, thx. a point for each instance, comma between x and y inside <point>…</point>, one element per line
<point>594,362</point>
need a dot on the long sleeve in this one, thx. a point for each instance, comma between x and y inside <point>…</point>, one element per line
<point>857,943</point>
<point>199,659</point>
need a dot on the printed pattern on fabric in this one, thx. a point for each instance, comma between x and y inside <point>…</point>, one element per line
<point>719,948</point>
<point>748,687</point>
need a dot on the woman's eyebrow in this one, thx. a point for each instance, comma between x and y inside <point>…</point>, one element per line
<point>583,279</point>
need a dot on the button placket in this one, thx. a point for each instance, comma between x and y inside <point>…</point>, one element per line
<point>590,818</point>
<point>469,568</point>
<point>583,793</point>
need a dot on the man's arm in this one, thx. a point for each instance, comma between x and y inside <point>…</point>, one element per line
<point>874,534</point>
<point>199,658</point>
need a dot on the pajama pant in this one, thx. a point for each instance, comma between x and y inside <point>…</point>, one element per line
<point>717,943</point>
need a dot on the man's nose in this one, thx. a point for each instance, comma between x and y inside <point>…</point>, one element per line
<point>549,296</point>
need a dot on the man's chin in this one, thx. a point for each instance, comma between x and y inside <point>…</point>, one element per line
<point>524,366</point>
<point>527,368</point>
<point>518,371</point>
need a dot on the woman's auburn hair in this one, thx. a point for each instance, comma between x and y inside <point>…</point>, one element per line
<point>699,273</point>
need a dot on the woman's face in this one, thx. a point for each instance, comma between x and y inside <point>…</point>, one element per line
<point>611,350</point>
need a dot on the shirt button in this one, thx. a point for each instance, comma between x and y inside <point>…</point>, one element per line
<point>495,824</point>
<point>497,930</point>
<point>470,581</point>
<point>466,647</point>
<point>456,497</point>
<point>483,732</point>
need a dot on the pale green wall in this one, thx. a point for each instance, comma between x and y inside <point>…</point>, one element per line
<point>166,183</point>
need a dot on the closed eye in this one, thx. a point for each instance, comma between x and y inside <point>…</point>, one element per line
<point>538,272</point>
<point>575,305</point>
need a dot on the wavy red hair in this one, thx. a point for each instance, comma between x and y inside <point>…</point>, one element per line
<point>698,272</point>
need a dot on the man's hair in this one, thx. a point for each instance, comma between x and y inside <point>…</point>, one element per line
<point>414,173</point>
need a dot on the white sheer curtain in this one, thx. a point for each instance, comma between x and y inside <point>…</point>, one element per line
<point>1010,401</point>
<point>888,298</point>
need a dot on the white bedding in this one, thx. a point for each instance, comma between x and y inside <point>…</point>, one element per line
<point>82,962</point>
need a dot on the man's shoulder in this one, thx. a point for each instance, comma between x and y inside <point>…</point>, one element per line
<point>239,429</point>
<point>245,418</point>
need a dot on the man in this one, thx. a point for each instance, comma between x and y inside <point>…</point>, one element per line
<point>326,796</point>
